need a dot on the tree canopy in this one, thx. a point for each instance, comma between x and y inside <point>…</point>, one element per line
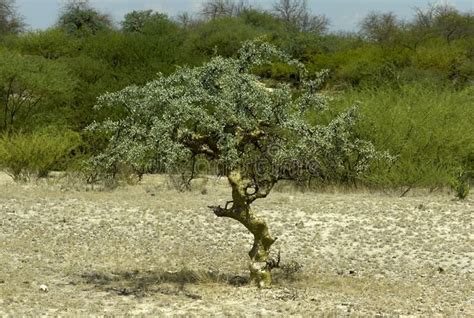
<point>221,111</point>
<point>79,18</point>
<point>30,85</point>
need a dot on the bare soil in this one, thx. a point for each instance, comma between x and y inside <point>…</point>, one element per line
<point>150,250</point>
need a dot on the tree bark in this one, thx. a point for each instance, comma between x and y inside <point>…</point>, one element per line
<point>260,268</point>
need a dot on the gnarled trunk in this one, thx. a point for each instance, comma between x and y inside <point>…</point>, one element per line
<point>260,265</point>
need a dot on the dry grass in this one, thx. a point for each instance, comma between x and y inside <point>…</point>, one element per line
<point>147,249</point>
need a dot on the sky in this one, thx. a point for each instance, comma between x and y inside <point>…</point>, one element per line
<point>344,15</point>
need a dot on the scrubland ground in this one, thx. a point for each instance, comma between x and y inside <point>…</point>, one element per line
<point>149,250</point>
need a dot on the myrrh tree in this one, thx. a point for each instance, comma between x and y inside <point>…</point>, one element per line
<point>220,112</point>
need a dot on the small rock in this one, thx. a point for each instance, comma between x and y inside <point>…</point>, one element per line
<point>43,288</point>
<point>300,225</point>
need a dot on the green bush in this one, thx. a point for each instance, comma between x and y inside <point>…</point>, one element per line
<point>51,44</point>
<point>365,65</point>
<point>223,36</point>
<point>36,154</point>
<point>278,72</point>
<point>428,129</point>
<point>33,91</point>
<point>451,61</point>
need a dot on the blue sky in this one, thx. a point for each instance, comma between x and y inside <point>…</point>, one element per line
<point>343,14</point>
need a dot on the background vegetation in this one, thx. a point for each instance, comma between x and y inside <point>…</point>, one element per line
<point>413,78</point>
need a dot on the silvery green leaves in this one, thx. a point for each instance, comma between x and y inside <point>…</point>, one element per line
<point>256,53</point>
<point>223,114</point>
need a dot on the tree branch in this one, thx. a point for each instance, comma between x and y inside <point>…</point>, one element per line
<point>222,212</point>
<point>201,144</point>
<point>262,190</point>
<point>7,102</point>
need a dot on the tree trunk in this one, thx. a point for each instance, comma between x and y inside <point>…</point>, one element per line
<point>260,265</point>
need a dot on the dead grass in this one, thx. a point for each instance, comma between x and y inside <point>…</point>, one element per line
<point>149,250</point>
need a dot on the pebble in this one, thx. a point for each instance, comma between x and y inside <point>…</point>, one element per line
<point>43,288</point>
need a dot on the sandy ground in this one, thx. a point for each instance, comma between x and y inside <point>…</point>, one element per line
<point>149,250</point>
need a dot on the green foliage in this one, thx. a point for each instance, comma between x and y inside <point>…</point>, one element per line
<point>30,85</point>
<point>52,44</point>
<point>445,21</point>
<point>450,62</point>
<point>148,22</point>
<point>221,112</point>
<point>23,155</point>
<point>264,21</point>
<point>419,67</point>
<point>111,60</point>
<point>134,58</point>
<point>222,36</point>
<point>427,128</point>
<point>135,21</point>
<point>364,65</point>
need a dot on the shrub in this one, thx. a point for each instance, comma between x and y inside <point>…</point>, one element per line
<point>221,36</point>
<point>452,62</point>
<point>36,154</point>
<point>460,185</point>
<point>365,65</point>
<point>428,128</point>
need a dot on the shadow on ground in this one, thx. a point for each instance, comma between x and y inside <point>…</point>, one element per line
<point>146,283</point>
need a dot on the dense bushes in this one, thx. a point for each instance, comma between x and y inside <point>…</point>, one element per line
<point>429,129</point>
<point>26,155</point>
<point>413,79</point>
<point>32,90</point>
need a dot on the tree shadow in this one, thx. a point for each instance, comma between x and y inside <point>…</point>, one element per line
<point>146,283</point>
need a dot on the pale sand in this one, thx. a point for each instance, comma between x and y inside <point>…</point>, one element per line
<point>150,250</point>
